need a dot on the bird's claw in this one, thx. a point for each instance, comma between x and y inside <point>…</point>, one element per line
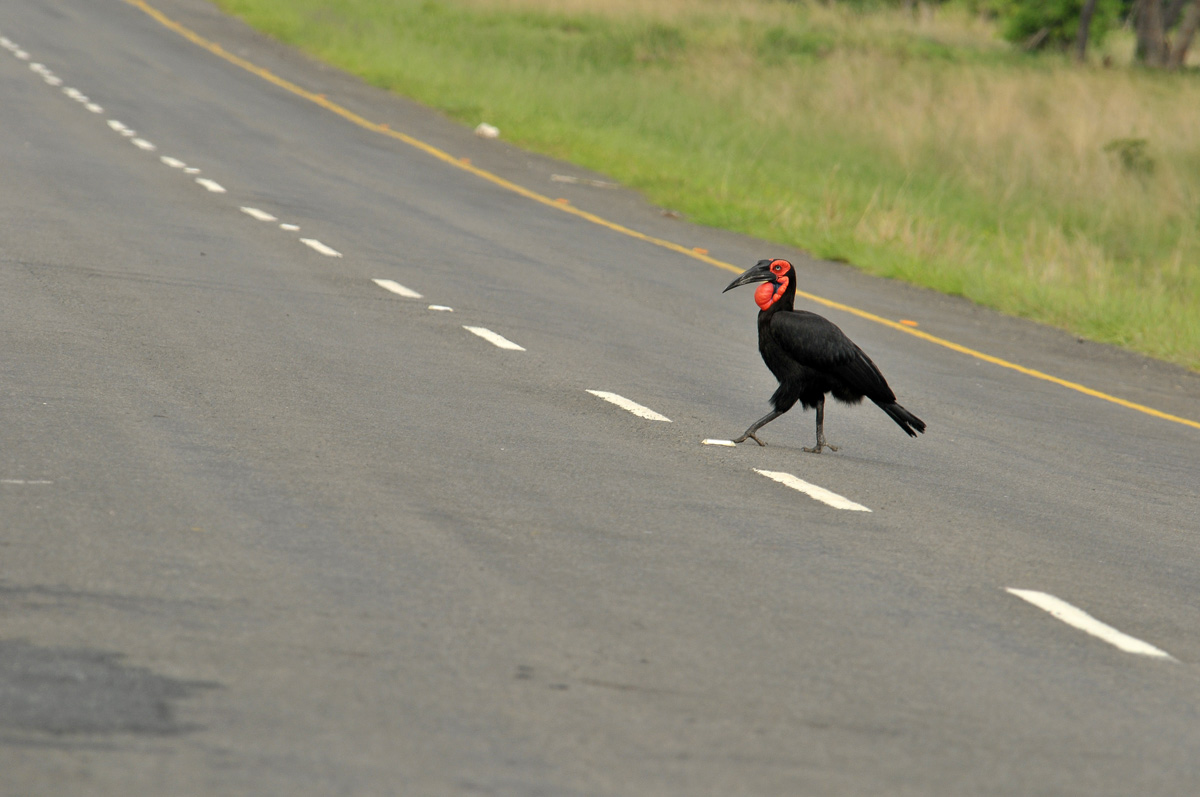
<point>750,436</point>
<point>817,448</point>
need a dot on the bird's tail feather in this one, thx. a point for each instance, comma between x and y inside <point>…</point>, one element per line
<point>904,419</point>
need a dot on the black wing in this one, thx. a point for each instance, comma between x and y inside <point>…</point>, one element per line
<point>817,343</point>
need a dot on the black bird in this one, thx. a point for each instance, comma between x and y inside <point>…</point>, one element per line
<point>810,357</point>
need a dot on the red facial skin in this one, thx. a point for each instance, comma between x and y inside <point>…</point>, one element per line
<point>769,292</point>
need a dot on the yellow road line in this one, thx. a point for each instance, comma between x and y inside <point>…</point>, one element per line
<point>442,155</point>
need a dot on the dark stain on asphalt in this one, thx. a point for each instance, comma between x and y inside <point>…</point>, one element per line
<point>68,691</point>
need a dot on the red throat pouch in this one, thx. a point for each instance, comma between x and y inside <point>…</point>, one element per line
<point>768,293</point>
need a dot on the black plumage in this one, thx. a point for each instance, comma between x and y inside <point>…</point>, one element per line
<point>811,357</point>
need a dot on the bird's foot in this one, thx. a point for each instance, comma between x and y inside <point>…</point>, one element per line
<point>751,436</point>
<point>820,444</point>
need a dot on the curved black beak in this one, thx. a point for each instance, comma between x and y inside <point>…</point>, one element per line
<point>759,272</point>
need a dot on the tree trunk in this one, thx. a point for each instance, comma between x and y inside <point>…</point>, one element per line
<point>1183,39</point>
<point>1172,13</point>
<point>1150,34</point>
<point>1085,24</point>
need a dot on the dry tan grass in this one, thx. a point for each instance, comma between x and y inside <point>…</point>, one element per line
<point>1009,131</point>
<point>654,9</point>
<point>949,26</point>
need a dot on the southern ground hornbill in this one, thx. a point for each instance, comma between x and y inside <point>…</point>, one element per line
<point>810,357</point>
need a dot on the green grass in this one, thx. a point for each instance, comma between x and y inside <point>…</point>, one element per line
<point>920,149</point>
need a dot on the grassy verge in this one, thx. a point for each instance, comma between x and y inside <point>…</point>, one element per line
<point>917,148</point>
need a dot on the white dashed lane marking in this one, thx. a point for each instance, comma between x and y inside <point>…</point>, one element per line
<point>496,340</point>
<point>1078,618</point>
<point>397,288</point>
<point>212,186</point>
<point>630,406</point>
<point>313,243</point>
<point>712,441</point>
<point>261,215</point>
<point>813,491</point>
<point>47,75</point>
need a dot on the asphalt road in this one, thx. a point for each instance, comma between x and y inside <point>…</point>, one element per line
<point>267,527</point>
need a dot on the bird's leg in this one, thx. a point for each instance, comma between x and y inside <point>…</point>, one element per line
<point>761,422</point>
<point>821,431</point>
